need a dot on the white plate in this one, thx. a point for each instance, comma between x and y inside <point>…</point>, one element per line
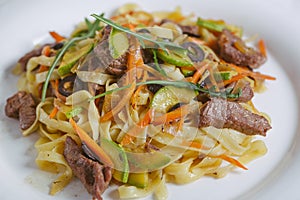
<point>276,175</point>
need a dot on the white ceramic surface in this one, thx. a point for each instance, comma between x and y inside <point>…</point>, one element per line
<point>274,176</point>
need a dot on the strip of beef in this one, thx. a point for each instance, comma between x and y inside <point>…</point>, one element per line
<point>221,113</point>
<point>94,176</point>
<point>36,52</point>
<point>21,106</point>
<point>246,90</point>
<point>24,60</point>
<point>112,66</point>
<point>227,44</point>
<point>186,29</point>
<point>190,30</point>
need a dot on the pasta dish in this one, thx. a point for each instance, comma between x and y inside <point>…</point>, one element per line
<point>141,99</point>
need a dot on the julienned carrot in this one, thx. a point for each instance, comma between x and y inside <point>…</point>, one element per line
<point>135,59</point>
<point>91,144</point>
<point>128,137</point>
<point>262,47</point>
<point>199,73</point>
<point>233,79</point>
<point>232,161</point>
<point>56,36</point>
<point>43,68</point>
<point>252,74</point>
<point>130,26</point>
<point>54,85</point>
<point>46,50</point>
<point>125,99</point>
<point>139,88</point>
<point>135,95</point>
<point>193,144</point>
<point>171,116</point>
<point>197,40</point>
<point>53,112</point>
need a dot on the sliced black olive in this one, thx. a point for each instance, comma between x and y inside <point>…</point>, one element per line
<point>88,152</point>
<point>154,87</point>
<point>195,53</point>
<point>143,30</point>
<point>58,46</point>
<point>177,105</point>
<point>66,85</point>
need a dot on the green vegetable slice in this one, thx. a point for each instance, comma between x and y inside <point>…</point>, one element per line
<point>168,96</point>
<point>118,43</point>
<point>71,57</point>
<point>146,162</point>
<point>118,157</point>
<point>140,180</point>
<point>174,58</point>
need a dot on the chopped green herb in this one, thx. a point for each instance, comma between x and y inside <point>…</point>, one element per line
<point>157,66</point>
<point>181,84</point>
<point>92,29</point>
<point>221,76</point>
<point>225,75</point>
<point>72,113</point>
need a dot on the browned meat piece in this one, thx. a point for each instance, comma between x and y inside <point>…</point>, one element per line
<point>247,92</point>
<point>112,66</point>
<point>94,176</point>
<point>186,29</point>
<point>221,113</point>
<point>21,106</point>
<point>13,105</point>
<point>118,66</point>
<point>35,52</point>
<point>228,50</point>
<point>27,117</point>
<point>106,32</point>
<point>190,30</point>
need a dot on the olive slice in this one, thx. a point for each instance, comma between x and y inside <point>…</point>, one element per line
<point>66,85</point>
<point>195,53</point>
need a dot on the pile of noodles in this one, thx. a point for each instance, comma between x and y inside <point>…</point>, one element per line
<point>211,157</point>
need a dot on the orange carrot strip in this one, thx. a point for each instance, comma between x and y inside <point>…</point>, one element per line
<point>199,73</point>
<point>56,36</point>
<point>262,47</point>
<point>107,116</point>
<point>232,161</point>
<point>233,79</point>
<point>134,60</point>
<point>54,85</point>
<point>190,68</point>
<point>171,116</point>
<point>43,68</point>
<point>53,112</point>
<point>46,50</point>
<point>196,40</point>
<point>130,26</point>
<point>252,74</point>
<point>91,144</point>
<point>146,119</point>
<point>129,137</point>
